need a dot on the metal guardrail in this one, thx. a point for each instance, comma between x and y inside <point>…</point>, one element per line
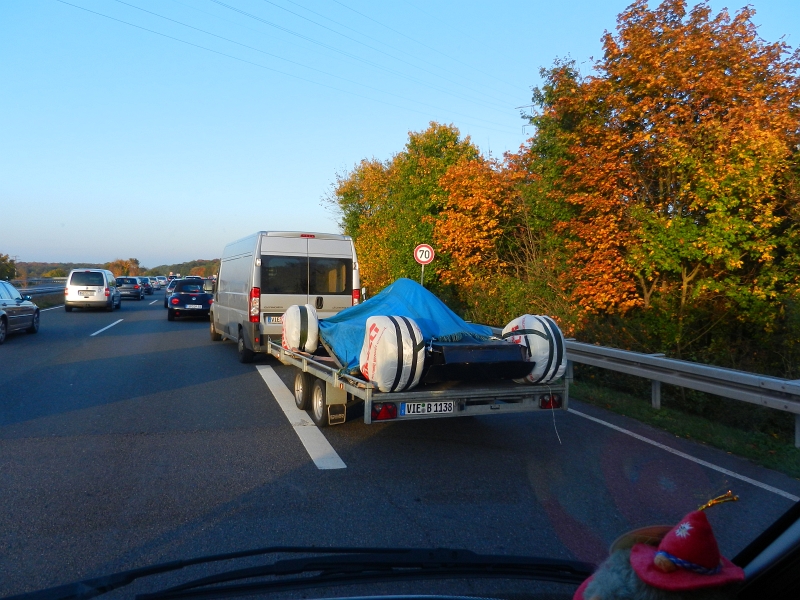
<point>772,392</point>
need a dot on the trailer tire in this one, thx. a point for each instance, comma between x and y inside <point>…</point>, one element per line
<point>302,389</point>
<point>319,407</point>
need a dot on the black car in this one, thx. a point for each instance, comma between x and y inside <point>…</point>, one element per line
<point>17,312</point>
<point>189,298</point>
<point>130,287</point>
<point>145,283</point>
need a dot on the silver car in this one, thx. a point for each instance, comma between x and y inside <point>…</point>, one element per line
<point>91,288</point>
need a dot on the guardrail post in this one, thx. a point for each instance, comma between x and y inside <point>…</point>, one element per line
<point>568,377</point>
<point>796,431</point>
<point>656,393</point>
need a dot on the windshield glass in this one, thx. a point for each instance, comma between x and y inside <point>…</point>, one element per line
<point>87,278</point>
<point>510,279</point>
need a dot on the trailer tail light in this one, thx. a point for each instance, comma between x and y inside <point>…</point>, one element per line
<point>550,401</point>
<point>108,292</point>
<point>255,304</point>
<point>356,296</point>
<point>384,411</point>
<point>175,301</point>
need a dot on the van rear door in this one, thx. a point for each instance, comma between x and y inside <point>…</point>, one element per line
<point>284,277</point>
<point>330,275</point>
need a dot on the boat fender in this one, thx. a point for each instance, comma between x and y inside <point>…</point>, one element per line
<point>300,328</point>
<point>545,346</point>
<point>393,354</point>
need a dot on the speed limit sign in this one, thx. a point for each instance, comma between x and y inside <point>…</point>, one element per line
<point>423,254</point>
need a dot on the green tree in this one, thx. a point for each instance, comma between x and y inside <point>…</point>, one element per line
<point>7,267</point>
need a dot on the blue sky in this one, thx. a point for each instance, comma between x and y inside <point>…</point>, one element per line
<point>118,142</point>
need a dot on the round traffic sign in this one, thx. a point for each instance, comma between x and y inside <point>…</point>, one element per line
<point>423,254</point>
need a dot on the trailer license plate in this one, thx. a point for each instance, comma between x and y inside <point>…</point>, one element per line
<point>194,306</point>
<point>275,319</point>
<point>409,409</point>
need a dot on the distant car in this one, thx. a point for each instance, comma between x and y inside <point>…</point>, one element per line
<point>145,283</point>
<point>162,280</point>
<point>170,288</point>
<point>155,283</point>
<point>189,299</point>
<point>130,287</point>
<point>17,312</point>
<point>91,288</point>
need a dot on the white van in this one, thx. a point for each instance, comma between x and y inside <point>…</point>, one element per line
<point>91,288</point>
<point>263,274</point>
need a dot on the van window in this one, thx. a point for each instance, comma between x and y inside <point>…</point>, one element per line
<point>90,278</point>
<point>330,276</point>
<point>284,275</point>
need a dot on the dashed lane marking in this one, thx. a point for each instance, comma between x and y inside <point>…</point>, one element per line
<point>153,302</point>
<point>51,308</point>
<point>317,446</point>
<point>106,327</point>
<point>704,463</point>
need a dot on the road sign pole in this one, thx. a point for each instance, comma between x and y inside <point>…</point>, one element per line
<point>422,276</point>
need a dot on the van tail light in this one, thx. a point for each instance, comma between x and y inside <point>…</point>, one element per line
<point>550,401</point>
<point>384,411</point>
<point>356,296</point>
<point>108,292</point>
<point>66,291</point>
<point>255,305</point>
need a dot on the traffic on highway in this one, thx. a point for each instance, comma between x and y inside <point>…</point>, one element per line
<point>132,439</point>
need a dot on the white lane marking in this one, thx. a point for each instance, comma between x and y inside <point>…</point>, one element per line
<point>51,308</point>
<point>106,327</point>
<point>153,302</point>
<point>318,448</point>
<point>641,438</point>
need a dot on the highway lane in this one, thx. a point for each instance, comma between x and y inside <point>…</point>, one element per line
<point>148,442</point>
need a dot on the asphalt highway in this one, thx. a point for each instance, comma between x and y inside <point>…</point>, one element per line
<point>148,442</point>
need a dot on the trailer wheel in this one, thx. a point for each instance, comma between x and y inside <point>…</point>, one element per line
<point>302,389</point>
<point>319,408</point>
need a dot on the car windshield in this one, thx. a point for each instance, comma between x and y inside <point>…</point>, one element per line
<point>464,279</point>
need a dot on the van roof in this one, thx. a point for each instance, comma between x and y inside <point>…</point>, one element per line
<point>310,234</point>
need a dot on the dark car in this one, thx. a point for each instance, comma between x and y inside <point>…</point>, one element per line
<point>130,287</point>
<point>189,298</point>
<point>17,312</point>
<point>170,288</point>
<point>145,283</point>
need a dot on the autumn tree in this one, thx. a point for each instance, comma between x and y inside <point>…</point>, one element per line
<point>7,267</point>
<point>676,154</point>
<point>390,207</point>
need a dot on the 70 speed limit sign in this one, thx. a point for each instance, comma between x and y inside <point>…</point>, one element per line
<point>423,254</point>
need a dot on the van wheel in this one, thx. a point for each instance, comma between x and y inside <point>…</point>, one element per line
<point>67,308</point>
<point>170,315</point>
<point>302,389</point>
<point>215,337</point>
<point>319,409</point>
<point>245,354</point>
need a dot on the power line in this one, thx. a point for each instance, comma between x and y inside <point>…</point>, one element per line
<point>353,56</point>
<point>425,45</point>
<point>299,64</point>
<point>251,62</point>
<point>371,47</point>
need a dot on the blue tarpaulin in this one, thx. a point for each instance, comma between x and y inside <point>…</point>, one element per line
<point>344,332</point>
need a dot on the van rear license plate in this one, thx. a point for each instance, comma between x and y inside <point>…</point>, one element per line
<point>194,306</point>
<point>275,319</point>
<point>85,293</point>
<point>410,409</point>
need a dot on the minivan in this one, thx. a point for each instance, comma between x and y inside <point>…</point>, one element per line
<point>265,273</point>
<point>91,288</point>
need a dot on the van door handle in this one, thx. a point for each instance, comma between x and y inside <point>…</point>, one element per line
<point>318,303</point>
